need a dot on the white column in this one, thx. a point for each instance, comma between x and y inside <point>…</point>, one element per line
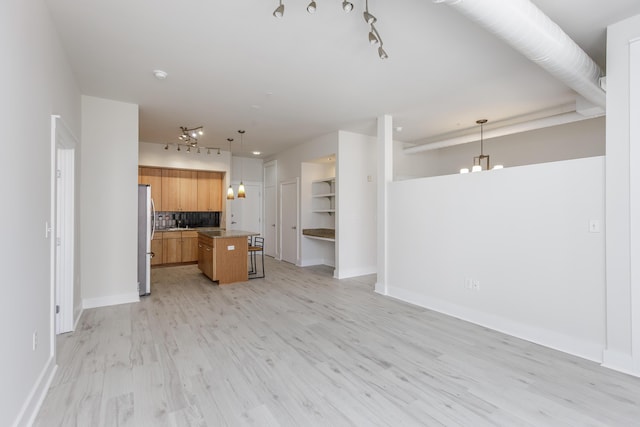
<point>622,350</point>
<point>385,176</point>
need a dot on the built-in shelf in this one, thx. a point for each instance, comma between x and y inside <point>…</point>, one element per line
<point>326,234</point>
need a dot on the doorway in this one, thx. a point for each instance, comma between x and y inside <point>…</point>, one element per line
<point>289,223</point>
<point>63,150</point>
<point>270,209</point>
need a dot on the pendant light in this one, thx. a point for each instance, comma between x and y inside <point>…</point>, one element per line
<point>230,195</point>
<point>478,160</point>
<point>241,193</point>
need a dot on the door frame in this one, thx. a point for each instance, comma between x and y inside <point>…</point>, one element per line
<point>63,177</point>
<point>273,164</point>
<point>295,181</point>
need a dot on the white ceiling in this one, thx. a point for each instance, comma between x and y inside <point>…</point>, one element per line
<point>232,66</point>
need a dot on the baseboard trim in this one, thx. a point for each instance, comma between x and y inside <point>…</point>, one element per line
<point>557,341</point>
<point>32,405</point>
<point>110,300</point>
<point>78,316</point>
<point>346,273</point>
<point>620,362</point>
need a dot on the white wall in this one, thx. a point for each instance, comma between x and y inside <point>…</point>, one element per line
<point>523,233</point>
<point>109,202</point>
<point>246,169</point>
<point>623,197</point>
<point>356,205</point>
<point>564,142</point>
<point>36,82</point>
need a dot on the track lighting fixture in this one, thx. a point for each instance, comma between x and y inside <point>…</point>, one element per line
<point>368,18</point>
<point>279,12</point>
<point>374,36</point>
<point>347,6</point>
<point>311,8</point>
<point>189,138</point>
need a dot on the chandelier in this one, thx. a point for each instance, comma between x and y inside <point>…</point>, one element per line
<point>374,35</point>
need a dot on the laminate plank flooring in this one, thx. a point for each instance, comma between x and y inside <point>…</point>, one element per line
<point>299,348</point>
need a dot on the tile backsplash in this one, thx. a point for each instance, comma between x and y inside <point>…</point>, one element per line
<point>187,219</point>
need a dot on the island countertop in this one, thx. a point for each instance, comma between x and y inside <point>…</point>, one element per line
<point>221,234</point>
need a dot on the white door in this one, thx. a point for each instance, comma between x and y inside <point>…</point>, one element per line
<point>246,214</point>
<point>270,215</point>
<point>270,180</point>
<point>289,221</point>
<point>64,253</point>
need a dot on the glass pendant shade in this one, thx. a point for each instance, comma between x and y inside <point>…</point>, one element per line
<point>241,193</point>
<point>230,195</point>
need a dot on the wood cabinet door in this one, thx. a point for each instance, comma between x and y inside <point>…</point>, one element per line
<point>172,248</point>
<point>189,246</point>
<point>188,194</point>
<point>156,248</point>
<point>170,190</point>
<point>153,177</point>
<point>209,191</point>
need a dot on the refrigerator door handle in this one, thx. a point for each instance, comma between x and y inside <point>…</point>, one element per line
<point>153,219</point>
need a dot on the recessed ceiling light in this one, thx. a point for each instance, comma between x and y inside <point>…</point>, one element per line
<point>256,153</point>
<point>160,75</point>
<point>399,128</point>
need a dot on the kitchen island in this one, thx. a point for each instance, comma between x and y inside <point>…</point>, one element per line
<point>223,254</point>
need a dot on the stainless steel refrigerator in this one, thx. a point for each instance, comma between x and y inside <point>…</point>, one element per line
<point>146,228</point>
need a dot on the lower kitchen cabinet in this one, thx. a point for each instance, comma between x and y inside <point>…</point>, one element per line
<point>156,248</point>
<point>172,247</point>
<point>189,246</point>
<point>207,257</point>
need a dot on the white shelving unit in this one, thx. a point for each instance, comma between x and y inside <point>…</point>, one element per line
<point>323,194</point>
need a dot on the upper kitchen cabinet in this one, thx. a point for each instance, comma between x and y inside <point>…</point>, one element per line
<point>209,191</point>
<point>153,177</point>
<point>179,190</point>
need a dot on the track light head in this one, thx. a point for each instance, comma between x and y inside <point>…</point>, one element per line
<point>279,12</point>
<point>347,6</point>
<point>381,53</point>
<point>369,18</point>
<point>373,39</point>
<point>166,147</point>
<point>311,8</point>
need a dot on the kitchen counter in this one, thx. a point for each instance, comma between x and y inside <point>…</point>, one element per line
<point>223,255</point>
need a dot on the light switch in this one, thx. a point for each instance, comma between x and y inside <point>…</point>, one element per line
<point>594,226</point>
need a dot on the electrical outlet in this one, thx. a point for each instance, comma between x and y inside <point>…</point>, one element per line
<point>475,285</point>
<point>35,340</point>
<point>468,283</point>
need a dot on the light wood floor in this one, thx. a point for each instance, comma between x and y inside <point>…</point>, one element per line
<point>302,349</point>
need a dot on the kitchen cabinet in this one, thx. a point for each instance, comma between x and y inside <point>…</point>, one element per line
<point>171,247</point>
<point>152,177</point>
<point>189,246</point>
<point>207,256</point>
<point>179,246</point>
<point>184,190</point>
<point>209,191</point>
<point>156,248</point>
<point>179,190</point>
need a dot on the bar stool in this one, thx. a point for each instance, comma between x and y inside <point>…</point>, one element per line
<point>254,248</point>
